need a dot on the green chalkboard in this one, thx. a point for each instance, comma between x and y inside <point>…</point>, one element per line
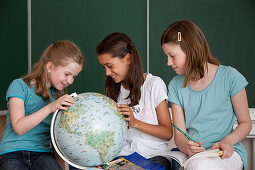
<point>229,27</point>
<point>13,44</point>
<point>87,22</point>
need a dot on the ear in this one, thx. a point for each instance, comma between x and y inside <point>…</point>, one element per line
<point>49,66</point>
<point>127,58</point>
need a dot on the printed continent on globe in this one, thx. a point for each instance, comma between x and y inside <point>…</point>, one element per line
<point>91,132</point>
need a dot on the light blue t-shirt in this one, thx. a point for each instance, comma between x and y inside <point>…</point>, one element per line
<point>209,113</point>
<point>36,139</point>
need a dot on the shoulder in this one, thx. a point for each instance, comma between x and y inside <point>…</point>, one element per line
<point>18,82</point>
<point>228,69</point>
<point>152,80</point>
<point>177,81</point>
<point>155,89</point>
<point>229,72</point>
<point>17,88</point>
<point>233,80</point>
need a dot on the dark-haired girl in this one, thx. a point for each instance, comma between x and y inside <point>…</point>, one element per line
<point>142,98</point>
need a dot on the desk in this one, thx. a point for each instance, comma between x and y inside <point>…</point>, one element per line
<point>251,135</point>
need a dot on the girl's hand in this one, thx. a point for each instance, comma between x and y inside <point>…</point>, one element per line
<point>226,146</point>
<point>128,114</point>
<point>194,148</point>
<point>61,103</point>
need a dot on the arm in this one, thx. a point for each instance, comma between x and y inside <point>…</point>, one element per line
<point>240,105</point>
<point>21,123</point>
<point>188,147</point>
<point>163,130</point>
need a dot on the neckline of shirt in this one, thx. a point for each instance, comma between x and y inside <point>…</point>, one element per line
<point>210,85</point>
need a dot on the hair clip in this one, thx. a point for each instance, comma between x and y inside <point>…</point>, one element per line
<point>179,36</point>
<point>129,46</point>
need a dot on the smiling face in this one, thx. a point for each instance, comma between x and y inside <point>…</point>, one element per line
<point>175,57</point>
<point>63,76</point>
<point>116,68</point>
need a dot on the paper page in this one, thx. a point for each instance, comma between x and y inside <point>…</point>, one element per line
<point>206,154</point>
<point>178,156</point>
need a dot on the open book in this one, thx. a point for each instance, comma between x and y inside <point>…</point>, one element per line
<point>179,157</point>
<point>183,159</point>
<point>121,164</point>
<point>134,161</point>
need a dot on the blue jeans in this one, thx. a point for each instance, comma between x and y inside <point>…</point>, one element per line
<point>28,160</point>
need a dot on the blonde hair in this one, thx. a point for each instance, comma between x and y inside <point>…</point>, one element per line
<point>193,43</point>
<point>60,53</point>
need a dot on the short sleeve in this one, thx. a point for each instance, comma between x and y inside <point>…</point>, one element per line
<point>173,91</point>
<point>16,89</point>
<point>237,82</point>
<point>159,91</point>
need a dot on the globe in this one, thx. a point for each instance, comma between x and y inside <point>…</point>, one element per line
<point>90,133</point>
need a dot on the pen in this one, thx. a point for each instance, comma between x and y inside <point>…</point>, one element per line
<point>185,134</point>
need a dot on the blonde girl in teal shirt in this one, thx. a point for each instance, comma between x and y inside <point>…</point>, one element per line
<point>206,98</point>
<point>31,100</point>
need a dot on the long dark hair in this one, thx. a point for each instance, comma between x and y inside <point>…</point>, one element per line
<point>193,43</point>
<point>118,45</point>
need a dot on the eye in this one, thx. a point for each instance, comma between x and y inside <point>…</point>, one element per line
<point>67,74</point>
<point>172,56</point>
<point>110,67</point>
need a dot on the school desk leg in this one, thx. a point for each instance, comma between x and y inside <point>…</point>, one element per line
<point>253,153</point>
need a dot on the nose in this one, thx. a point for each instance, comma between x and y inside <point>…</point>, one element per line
<point>107,72</point>
<point>70,80</point>
<point>169,61</point>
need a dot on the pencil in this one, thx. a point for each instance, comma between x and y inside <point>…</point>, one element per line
<point>220,153</point>
<point>185,134</point>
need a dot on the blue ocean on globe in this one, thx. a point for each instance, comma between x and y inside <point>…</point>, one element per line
<point>91,132</point>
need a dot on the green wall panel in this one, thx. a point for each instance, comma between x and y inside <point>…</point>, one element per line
<point>229,27</point>
<point>13,44</point>
<point>87,22</point>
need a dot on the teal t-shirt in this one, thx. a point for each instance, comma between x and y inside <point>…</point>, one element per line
<point>209,114</point>
<point>36,139</point>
